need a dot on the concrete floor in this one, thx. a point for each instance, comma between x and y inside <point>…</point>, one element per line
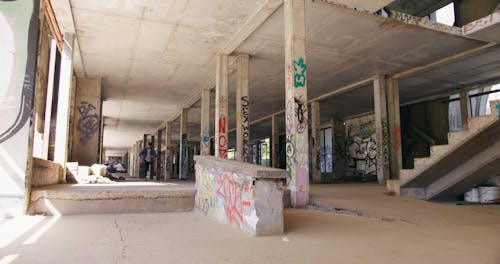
<point>385,230</point>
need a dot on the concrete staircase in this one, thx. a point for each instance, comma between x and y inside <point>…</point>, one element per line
<point>470,157</point>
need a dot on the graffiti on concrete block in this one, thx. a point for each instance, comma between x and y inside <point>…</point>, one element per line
<point>361,144</point>
<point>225,195</point>
<point>88,122</point>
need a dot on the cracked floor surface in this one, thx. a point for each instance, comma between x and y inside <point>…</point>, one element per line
<point>311,237</point>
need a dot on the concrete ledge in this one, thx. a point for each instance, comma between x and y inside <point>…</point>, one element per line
<point>45,172</point>
<point>102,199</point>
<point>243,195</point>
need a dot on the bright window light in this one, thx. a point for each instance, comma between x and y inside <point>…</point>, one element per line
<point>446,15</point>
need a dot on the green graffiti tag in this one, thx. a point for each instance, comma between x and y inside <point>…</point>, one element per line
<point>300,69</point>
<point>498,107</point>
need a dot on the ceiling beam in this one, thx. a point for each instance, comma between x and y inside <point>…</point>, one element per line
<point>65,20</point>
<point>247,29</point>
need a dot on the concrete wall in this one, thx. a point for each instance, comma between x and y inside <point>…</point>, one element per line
<point>18,53</point>
<point>87,120</point>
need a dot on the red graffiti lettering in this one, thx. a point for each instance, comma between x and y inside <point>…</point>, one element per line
<point>397,134</point>
<point>233,195</point>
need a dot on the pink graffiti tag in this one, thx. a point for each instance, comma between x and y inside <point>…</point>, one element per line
<point>233,195</point>
<point>397,134</point>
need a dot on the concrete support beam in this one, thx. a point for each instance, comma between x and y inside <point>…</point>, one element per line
<point>205,123</point>
<point>242,110</point>
<point>63,105</point>
<point>381,129</point>
<point>183,155</point>
<point>158,152</point>
<point>168,151</point>
<point>297,146</point>
<point>48,102</point>
<point>275,142</point>
<point>394,128</point>
<point>315,124</point>
<point>86,126</point>
<point>464,111</point>
<point>221,104</point>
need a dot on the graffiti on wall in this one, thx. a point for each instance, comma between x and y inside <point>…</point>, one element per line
<point>205,140</point>
<point>18,60</point>
<point>227,196</point>
<point>498,108</point>
<point>362,145</point>
<point>88,122</point>
<point>245,124</point>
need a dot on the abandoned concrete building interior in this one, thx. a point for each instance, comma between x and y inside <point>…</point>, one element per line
<point>285,131</point>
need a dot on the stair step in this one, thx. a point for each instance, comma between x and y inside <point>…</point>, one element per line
<point>456,137</point>
<point>478,122</point>
<point>405,175</point>
<point>439,150</point>
<point>422,162</point>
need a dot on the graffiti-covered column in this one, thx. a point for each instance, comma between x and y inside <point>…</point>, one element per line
<point>315,123</point>
<point>221,104</point>
<point>394,128</point>
<point>381,129</point>
<point>297,141</point>
<point>205,123</point>
<point>87,113</point>
<point>183,155</point>
<point>168,151</point>
<point>63,104</point>
<point>275,145</point>
<point>242,110</point>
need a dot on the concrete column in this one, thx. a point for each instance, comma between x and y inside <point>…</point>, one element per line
<point>221,104</point>
<point>297,146</point>
<point>183,155</point>
<point>63,105</point>
<point>158,151</point>
<point>381,130</point>
<point>242,110</point>
<point>152,171</point>
<point>48,103</point>
<point>41,85</point>
<point>464,111</point>
<point>168,151</point>
<point>275,145</point>
<point>315,123</point>
<point>394,129</point>
<point>86,127</point>
<point>205,123</point>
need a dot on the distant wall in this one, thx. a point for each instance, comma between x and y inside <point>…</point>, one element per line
<point>18,53</point>
<point>87,120</point>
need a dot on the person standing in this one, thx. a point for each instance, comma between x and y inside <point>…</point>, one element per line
<point>146,158</point>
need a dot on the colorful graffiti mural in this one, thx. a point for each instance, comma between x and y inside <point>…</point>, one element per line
<point>361,145</point>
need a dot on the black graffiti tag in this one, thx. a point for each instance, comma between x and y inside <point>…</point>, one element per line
<point>301,114</point>
<point>88,123</point>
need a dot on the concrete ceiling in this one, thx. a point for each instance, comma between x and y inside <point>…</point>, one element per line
<point>154,56</point>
